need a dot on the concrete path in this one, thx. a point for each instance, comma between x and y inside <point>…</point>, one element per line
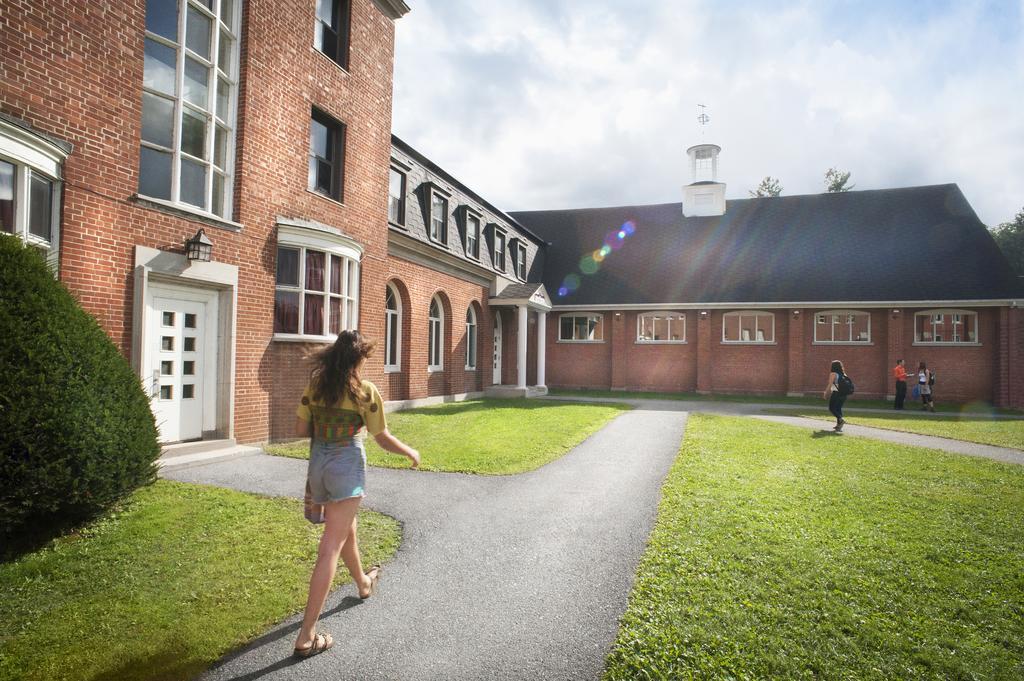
<point>1004,454</point>
<point>511,577</point>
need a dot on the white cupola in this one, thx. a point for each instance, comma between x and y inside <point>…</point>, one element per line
<point>705,195</point>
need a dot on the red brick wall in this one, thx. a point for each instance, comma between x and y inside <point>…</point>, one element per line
<point>74,70</point>
<point>663,368</point>
<point>986,372</point>
<point>578,365</point>
<point>866,364</point>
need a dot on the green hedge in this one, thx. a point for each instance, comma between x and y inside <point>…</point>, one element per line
<point>76,431</point>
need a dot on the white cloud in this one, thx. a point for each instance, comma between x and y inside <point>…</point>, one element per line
<point>544,104</point>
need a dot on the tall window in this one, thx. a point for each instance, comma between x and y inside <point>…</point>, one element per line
<point>439,218</point>
<point>396,197</point>
<point>332,30</point>
<point>521,260</point>
<point>473,236</point>
<point>947,327</point>
<point>581,326</point>
<point>317,292</point>
<point>189,87</point>
<point>471,338</point>
<point>748,327</point>
<point>392,329</point>
<point>326,155</point>
<point>661,327</point>
<point>435,339</point>
<point>842,326</point>
<point>499,250</point>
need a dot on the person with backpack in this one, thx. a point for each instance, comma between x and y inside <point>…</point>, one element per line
<point>839,387</point>
<point>925,381</point>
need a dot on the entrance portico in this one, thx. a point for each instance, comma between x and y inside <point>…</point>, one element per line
<point>518,300</point>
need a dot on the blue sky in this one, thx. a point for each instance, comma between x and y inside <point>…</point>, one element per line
<point>555,104</point>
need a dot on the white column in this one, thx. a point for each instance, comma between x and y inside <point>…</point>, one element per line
<point>542,318</point>
<point>521,346</point>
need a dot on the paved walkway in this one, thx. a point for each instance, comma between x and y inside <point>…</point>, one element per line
<point>505,577</point>
<point>511,577</point>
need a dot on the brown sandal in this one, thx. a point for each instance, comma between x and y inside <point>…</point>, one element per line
<point>375,570</point>
<point>320,643</point>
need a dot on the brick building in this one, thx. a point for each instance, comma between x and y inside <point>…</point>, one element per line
<point>126,128</point>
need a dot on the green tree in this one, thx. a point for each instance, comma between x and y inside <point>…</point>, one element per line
<point>1010,237</point>
<point>836,181</point>
<point>769,186</point>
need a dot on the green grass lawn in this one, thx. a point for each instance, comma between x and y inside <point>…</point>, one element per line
<point>782,553</point>
<point>813,400</point>
<point>969,427</point>
<point>164,587</point>
<point>493,437</point>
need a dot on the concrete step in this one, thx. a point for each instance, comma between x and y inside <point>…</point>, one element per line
<point>185,448</point>
<point>199,458</point>
<point>515,391</point>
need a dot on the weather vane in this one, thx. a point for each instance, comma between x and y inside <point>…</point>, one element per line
<point>702,118</point>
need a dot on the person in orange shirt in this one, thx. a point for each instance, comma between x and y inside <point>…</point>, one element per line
<point>899,372</point>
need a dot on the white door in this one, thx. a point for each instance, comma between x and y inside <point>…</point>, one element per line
<point>496,376</point>
<point>181,346</point>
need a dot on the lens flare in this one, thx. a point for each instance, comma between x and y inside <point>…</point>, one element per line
<point>629,227</point>
<point>598,255</point>
<point>604,251</point>
<point>621,234</point>
<point>588,265</point>
<point>563,291</point>
<point>572,282</point>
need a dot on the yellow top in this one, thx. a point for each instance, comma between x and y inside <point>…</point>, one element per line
<point>343,420</point>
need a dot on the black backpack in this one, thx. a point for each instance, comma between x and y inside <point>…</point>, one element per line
<point>845,384</point>
<point>931,377</point>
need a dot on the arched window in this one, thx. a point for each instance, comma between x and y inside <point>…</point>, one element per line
<point>392,329</point>
<point>435,339</point>
<point>842,326</point>
<point>946,327</point>
<point>661,327</point>
<point>748,326</point>
<point>471,338</point>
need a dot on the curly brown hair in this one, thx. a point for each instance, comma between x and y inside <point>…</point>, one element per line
<point>336,369</point>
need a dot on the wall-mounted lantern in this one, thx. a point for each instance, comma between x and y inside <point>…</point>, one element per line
<point>199,247</point>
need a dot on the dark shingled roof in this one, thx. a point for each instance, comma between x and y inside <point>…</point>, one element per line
<point>517,291</point>
<point>908,244</point>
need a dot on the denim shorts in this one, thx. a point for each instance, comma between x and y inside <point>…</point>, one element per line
<point>336,471</point>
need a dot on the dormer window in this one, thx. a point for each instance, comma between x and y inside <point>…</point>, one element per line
<point>396,197</point>
<point>472,236</point>
<point>499,250</point>
<point>438,218</point>
<point>520,255</point>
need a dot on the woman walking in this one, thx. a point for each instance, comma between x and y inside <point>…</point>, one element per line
<point>337,409</point>
<point>834,395</point>
<point>924,385</point>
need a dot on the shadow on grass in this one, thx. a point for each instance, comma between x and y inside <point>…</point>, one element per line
<point>170,663</point>
<point>825,433</point>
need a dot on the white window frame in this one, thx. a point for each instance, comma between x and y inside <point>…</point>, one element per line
<point>393,327</point>
<point>435,336</point>
<point>330,241</point>
<point>474,250</point>
<point>401,199</point>
<point>442,238</point>
<point>844,318</point>
<point>640,340</point>
<point>499,237</point>
<point>212,119</point>
<point>472,339</point>
<point>585,315</point>
<point>957,315</point>
<point>748,313</point>
<point>520,260</point>
<point>32,155</point>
